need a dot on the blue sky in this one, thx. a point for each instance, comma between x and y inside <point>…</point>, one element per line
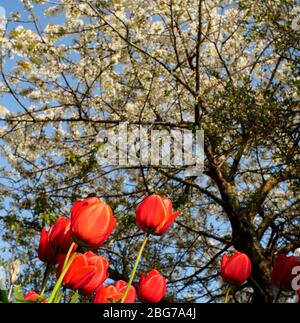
<point>6,7</point>
<point>11,5</point>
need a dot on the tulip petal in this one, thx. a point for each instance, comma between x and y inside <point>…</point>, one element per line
<point>101,265</point>
<point>105,294</point>
<point>79,273</point>
<point>59,235</point>
<point>165,226</point>
<point>45,251</point>
<point>278,270</point>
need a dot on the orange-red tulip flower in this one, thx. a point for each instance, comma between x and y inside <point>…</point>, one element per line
<point>86,272</point>
<point>92,221</point>
<point>155,215</point>
<point>33,296</point>
<point>152,287</point>
<point>114,293</point>
<point>236,269</point>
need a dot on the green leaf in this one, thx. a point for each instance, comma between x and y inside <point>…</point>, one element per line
<point>18,293</point>
<point>75,298</point>
<point>58,296</point>
<point>26,301</point>
<point>3,296</point>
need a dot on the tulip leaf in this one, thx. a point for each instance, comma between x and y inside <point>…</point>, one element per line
<point>26,301</point>
<point>3,296</point>
<point>58,296</point>
<point>75,298</point>
<point>18,293</point>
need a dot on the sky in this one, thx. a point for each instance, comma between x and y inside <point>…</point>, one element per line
<point>7,7</point>
<point>11,5</point>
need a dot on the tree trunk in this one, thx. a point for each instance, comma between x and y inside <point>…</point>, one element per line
<point>261,282</point>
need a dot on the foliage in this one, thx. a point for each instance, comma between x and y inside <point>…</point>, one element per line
<point>230,68</point>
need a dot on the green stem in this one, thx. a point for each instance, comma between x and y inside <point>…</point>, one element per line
<point>60,279</point>
<point>135,267</point>
<point>59,295</point>
<point>45,279</point>
<point>68,254</point>
<point>227,295</point>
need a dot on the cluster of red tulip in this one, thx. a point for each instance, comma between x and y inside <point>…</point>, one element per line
<point>236,270</point>
<point>69,244</point>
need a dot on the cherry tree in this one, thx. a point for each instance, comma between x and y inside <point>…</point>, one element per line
<point>230,68</point>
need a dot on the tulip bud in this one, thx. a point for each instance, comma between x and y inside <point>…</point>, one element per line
<point>152,287</point>
<point>154,214</point>
<point>33,296</point>
<point>236,269</point>
<point>92,221</point>
<point>86,272</point>
<point>114,293</point>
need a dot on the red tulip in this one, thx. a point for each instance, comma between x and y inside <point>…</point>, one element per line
<point>154,214</point>
<point>92,221</point>
<point>282,271</point>
<point>236,269</point>
<point>86,272</point>
<point>152,288</point>
<point>46,252</point>
<point>33,296</point>
<point>59,234</point>
<point>114,293</point>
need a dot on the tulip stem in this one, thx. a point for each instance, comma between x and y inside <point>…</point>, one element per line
<point>138,258</point>
<point>227,295</point>
<point>45,279</point>
<point>68,254</point>
<point>59,296</point>
<point>61,277</point>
